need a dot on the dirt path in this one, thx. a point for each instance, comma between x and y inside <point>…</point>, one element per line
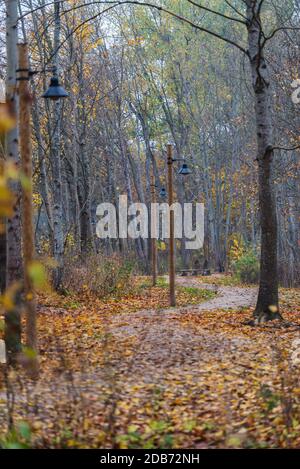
<point>161,340</point>
<point>227,297</point>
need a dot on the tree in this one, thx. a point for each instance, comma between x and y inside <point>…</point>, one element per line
<point>13,257</point>
<point>267,303</point>
<point>58,233</point>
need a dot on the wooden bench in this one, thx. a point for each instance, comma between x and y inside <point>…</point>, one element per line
<point>187,272</point>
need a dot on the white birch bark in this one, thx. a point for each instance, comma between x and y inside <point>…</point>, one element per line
<point>13,253</point>
<point>58,234</point>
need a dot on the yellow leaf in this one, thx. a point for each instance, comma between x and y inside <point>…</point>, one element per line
<point>37,273</point>
<point>7,122</point>
<point>8,298</point>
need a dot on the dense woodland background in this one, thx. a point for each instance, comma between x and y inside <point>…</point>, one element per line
<point>138,78</point>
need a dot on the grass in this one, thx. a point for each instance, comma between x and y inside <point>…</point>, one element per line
<point>142,295</point>
<point>146,282</point>
<point>226,280</point>
<point>184,295</point>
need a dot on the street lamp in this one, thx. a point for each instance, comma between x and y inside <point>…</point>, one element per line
<point>163,193</point>
<point>184,171</point>
<point>55,90</point>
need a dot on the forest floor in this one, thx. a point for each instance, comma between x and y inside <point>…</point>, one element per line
<point>131,373</point>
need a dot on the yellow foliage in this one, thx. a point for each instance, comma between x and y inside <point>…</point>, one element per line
<point>7,171</point>
<point>236,248</point>
<point>7,122</point>
<point>6,198</point>
<point>37,199</point>
<point>37,274</point>
<point>8,298</point>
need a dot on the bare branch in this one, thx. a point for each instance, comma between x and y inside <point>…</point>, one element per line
<point>287,149</point>
<point>216,12</point>
<point>282,28</point>
<point>236,10</point>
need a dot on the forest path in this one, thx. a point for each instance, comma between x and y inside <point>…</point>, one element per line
<point>183,377</point>
<point>200,372</point>
<point>228,297</point>
<point>161,340</point>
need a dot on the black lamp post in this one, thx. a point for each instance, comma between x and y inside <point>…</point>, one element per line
<point>184,171</point>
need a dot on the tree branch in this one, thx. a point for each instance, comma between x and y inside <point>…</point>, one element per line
<point>286,149</point>
<point>282,28</point>
<point>216,12</point>
<point>236,10</point>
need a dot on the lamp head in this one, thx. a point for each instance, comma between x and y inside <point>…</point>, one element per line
<point>185,170</point>
<point>55,90</point>
<point>163,193</point>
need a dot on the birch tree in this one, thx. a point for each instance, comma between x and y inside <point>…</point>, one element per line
<point>58,233</point>
<point>13,238</point>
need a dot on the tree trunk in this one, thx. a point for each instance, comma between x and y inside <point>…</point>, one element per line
<point>86,232</point>
<point>27,207</point>
<point>43,183</point>
<point>267,307</point>
<point>58,235</point>
<point>2,257</point>
<point>13,258</point>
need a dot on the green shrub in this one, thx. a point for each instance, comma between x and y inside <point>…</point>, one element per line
<point>246,268</point>
<point>18,437</point>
